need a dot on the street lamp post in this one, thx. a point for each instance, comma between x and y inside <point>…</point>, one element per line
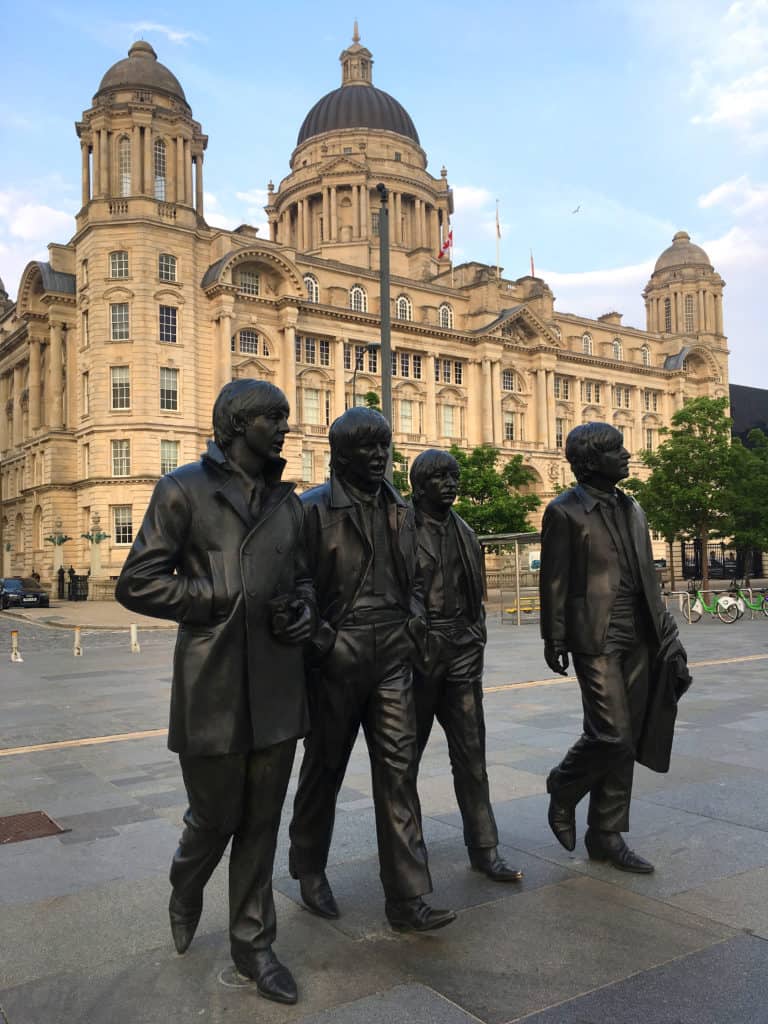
<point>386,322</point>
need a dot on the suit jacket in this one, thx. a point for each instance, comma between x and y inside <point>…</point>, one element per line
<point>200,559</point>
<point>580,573</point>
<point>340,554</point>
<point>471,556</point>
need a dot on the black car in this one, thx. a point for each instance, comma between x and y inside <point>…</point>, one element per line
<point>22,592</point>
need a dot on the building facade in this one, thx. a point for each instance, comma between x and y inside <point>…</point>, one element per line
<point>113,353</point>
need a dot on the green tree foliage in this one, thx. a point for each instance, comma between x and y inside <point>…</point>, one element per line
<point>489,499</point>
<point>687,493</point>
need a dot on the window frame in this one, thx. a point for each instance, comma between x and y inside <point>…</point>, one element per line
<point>119,324</point>
<point>168,324</point>
<point>120,457</point>
<point>119,266</point>
<point>119,389</point>
<point>118,527</point>
<point>169,394</point>
<point>170,275</point>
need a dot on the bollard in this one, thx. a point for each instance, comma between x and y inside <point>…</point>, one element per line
<point>15,652</point>
<point>135,648</point>
<point>77,650</point>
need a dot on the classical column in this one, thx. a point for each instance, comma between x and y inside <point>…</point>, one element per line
<point>199,184</point>
<point>104,146</point>
<point>136,187</point>
<point>188,170</point>
<point>498,429</point>
<point>289,368</point>
<point>366,211</point>
<point>541,408</point>
<point>222,372</point>
<point>550,397</point>
<point>334,216</point>
<point>149,178</point>
<point>578,404</point>
<point>85,172</point>
<point>418,237</point>
<point>700,311</point>
<point>34,384</point>
<point>96,150</point>
<point>487,402</point>
<point>18,385</point>
<point>355,211</point>
<point>338,377</point>
<point>435,232</point>
<point>718,301</point>
<point>430,423</point>
<point>181,196</point>
<point>326,233</point>
<point>4,389</point>
<point>54,386</point>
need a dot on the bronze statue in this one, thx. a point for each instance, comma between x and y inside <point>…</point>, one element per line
<point>220,552</point>
<point>601,600</point>
<point>361,545</point>
<point>448,679</point>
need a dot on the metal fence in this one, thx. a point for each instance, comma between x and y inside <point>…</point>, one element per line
<point>723,561</point>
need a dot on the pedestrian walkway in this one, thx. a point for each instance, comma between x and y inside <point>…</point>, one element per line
<point>86,614</point>
<point>83,915</point>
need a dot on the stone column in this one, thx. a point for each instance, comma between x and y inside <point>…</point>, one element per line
<point>104,163</point>
<point>181,196</point>
<point>136,187</point>
<point>85,172</point>
<point>487,402</point>
<point>96,150</point>
<point>430,422</point>
<point>550,396</point>
<point>199,184</point>
<point>326,215</point>
<point>53,389</point>
<point>498,426</point>
<point>355,211</point>
<point>394,219</point>
<point>718,301</point>
<point>223,371</point>
<point>578,404</point>
<point>541,408</point>
<point>435,232</point>
<point>289,368</point>
<point>365,211</point>
<point>334,216</point>
<point>701,315</point>
<point>418,239</point>
<point>34,385</point>
<point>4,389</point>
<point>338,377</point>
<point>188,170</point>
<point>149,175</point>
<point>18,385</point>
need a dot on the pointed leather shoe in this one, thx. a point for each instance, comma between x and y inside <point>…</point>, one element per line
<point>611,847</point>
<point>562,821</point>
<point>273,980</point>
<point>317,895</point>
<point>414,915</point>
<point>487,860</point>
<point>184,918</point>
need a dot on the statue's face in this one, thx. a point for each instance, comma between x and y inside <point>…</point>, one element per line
<point>439,490</point>
<point>612,465</point>
<point>367,463</point>
<point>264,434</point>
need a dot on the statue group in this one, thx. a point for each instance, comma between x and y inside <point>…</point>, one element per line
<point>311,617</point>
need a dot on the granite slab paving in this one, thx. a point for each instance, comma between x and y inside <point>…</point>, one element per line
<point>416,1004</point>
<point>740,901</point>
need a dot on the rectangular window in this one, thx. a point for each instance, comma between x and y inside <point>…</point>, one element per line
<point>651,401</point>
<point>621,397</point>
<point>86,395</point>
<point>325,353</point>
<point>249,282</point>
<point>373,360</point>
<point>375,224</point>
<point>249,342</point>
<point>169,456</point>
<point>310,350</point>
<point>406,416</point>
<point>166,267</point>
<point>169,388</point>
<point>458,373</point>
<point>311,403</point>
<point>449,420</point>
<point>437,370</point>
<point>298,348</point>
<point>446,371</point>
<point>307,466</point>
<point>562,387</point>
<point>121,458</point>
<point>649,439</point>
<point>509,426</point>
<point>119,321</point>
<point>122,524</point>
<point>559,432</point>
<point>84,326</point>
<point>120,384</point>
<point>86,461</point>
<point>394,364</point>
<point>168,323</point>
<point>405,364</point>
<point>327,408</point>
<point>347,356</point>
<point>417,367</point>
<point>359,357</point>
<point>118,264</point>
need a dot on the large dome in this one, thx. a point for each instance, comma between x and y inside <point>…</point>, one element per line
<point>357,106</point>
<point>142,70</point>
<point>682,253</point>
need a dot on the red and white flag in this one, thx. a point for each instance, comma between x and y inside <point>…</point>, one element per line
<point>447,245</point>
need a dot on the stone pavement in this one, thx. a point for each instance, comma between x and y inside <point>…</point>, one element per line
<point>83,927</point>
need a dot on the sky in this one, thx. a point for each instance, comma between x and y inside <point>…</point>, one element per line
<point>645,116</point>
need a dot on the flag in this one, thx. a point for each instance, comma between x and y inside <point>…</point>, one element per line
<point>447,245</point>
<point>498,226</point>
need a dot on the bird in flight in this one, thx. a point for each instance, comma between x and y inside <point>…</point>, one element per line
<point>577,209</point>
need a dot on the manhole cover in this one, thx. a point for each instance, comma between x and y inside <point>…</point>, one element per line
<point>32,825</point>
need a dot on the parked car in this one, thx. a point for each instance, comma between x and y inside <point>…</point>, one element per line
<point>22,592</point>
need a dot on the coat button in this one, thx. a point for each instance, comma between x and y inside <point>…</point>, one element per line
<point>279,548</point>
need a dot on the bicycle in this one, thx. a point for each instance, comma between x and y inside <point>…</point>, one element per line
<point>746,597</point>
<point>724,606</point>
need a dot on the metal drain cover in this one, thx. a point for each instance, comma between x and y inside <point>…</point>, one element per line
<point>31,825</point>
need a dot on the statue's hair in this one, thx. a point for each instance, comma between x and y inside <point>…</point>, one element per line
<point>426,465</point>
<point>243,399</point>
<point>585,442</point>
<point>358,425</point>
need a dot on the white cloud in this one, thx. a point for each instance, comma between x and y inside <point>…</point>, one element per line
<point>27,225</point>
<point>739,195</point>
<point>179,36</point>
<point>34,221</point>
<point>255,199</point>
<point>469,198</point>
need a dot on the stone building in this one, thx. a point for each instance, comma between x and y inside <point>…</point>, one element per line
<point>116,346</point>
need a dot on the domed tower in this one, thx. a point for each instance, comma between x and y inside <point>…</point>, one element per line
<point>353,138</point>
<point>685,294</point>
<point>142,152</point>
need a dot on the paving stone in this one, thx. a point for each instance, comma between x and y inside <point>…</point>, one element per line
<point>415,1004</point>
<point>726,983</point>
<point>740,901</point>
<point>742,800</point>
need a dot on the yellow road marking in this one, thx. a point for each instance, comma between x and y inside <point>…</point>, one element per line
<point>91,741</point>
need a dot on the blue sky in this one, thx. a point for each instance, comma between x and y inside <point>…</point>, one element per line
<point>649,115</point>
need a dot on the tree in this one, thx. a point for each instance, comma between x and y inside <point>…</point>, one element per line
<point>489,499</point>
<point>687,493</point>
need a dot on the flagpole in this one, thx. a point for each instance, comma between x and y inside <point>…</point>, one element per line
<point>450,229</point>
<point>498,242</point>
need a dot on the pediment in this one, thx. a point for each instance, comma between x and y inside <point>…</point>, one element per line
<point>343,165</point>
<point>520,325</point>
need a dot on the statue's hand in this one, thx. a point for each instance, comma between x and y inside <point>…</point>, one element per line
<point>556,656</point>
<point>300,629</point>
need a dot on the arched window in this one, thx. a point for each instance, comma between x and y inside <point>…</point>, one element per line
<point>689,306</point>
<point>618,349</point>
<point>124,165</point>
<point>19,538</point>
<point>313,288</point>
<point>668,316</point>
<point>358,300</point>
<point>445,314</point>
<point>249,342</point>
<point>510,381</point>
<point>586,344</point>
<point>166,267</point>
<point>645,355</point>
<point>160,168</point>
<point>403,308</point>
